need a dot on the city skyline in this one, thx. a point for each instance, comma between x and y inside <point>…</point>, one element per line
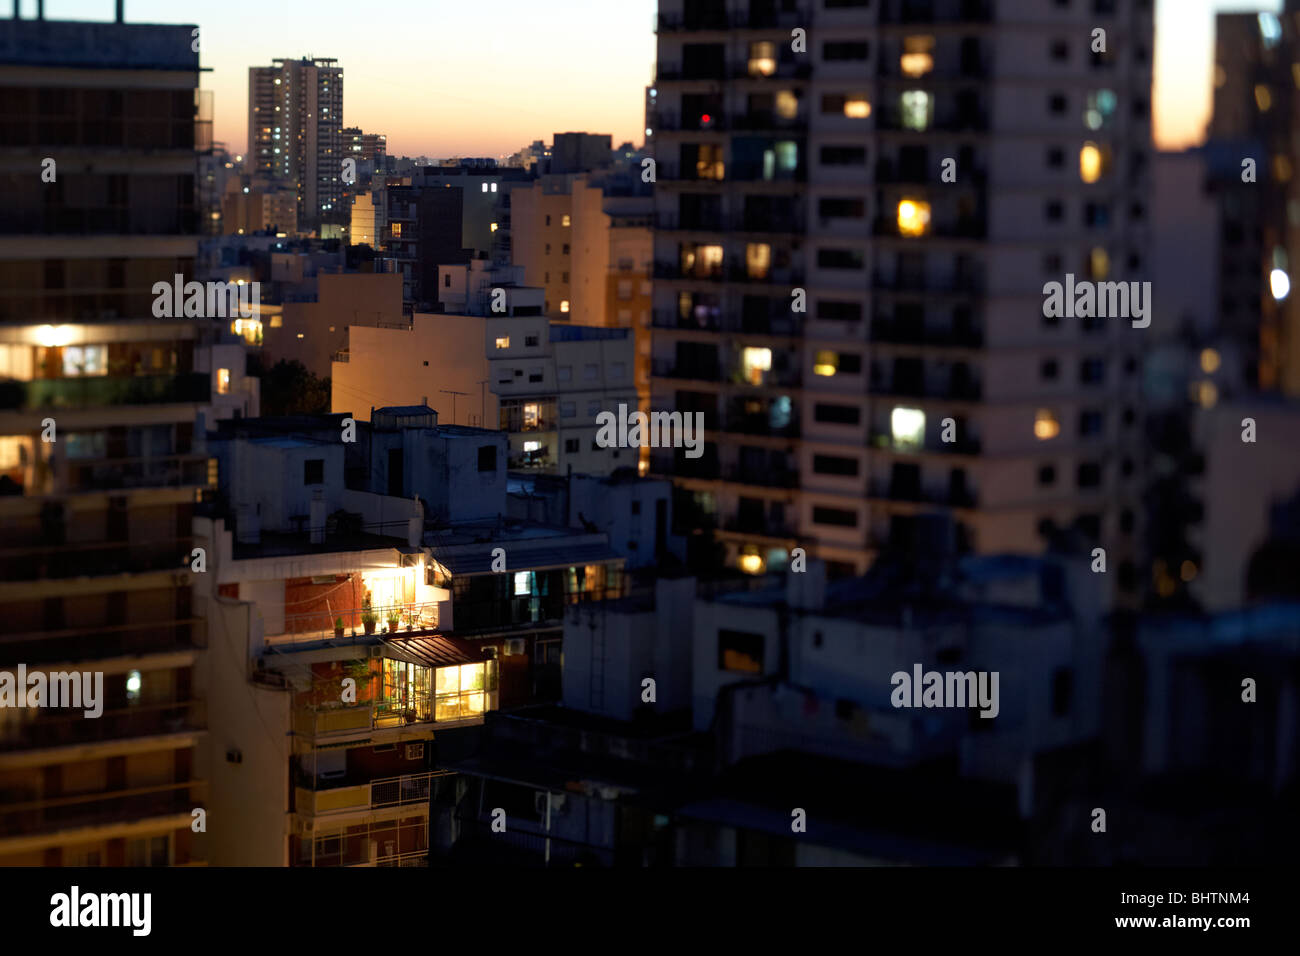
<point>503,113</point>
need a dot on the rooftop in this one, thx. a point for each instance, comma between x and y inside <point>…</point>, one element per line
<point>585,333</point>
<point>93,45</point>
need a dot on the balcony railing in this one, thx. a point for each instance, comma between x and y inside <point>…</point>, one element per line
<point>324,797</point>
<point>911,333</point>
<point>765,477</point>
<point>39,728</point>
<point>957,391</point>
<point>884,439</point>
<point>103,642</point>
<point>698,371</point>
<point>949,284</point>
<point>742,424</point>
<point>967,228</point>
<point>935,11</point>
<point>319,625</point>
<point>897,491</point>
<point>162,471</point>
<point>792,224</point>
<point>95,391</point>
<point>94,559</point>
<point>736,274</point>
<point>95,809</point>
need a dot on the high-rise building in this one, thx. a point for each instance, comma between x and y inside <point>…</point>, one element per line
<point>295,119</point>
<point>852,240</point>
<point>100,463</point>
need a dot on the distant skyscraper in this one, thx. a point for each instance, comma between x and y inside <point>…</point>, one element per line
<point>295,119</point>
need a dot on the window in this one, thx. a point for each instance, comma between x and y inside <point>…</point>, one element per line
<point>740,651</point>
<point>133,686</point>
<point>485,185</point>
<point>446,281</point>
<point>564,373</point>
<point>1054,211</point>
<point>590,372</point>
<point>397,230</point>
<point>762,58</point>
<point>571,446</point>
<point>1091,422</point>
<point>917,109</point>
<point>618,370</point>
<point>535,374</point>
<point>564,303</point>
<point>565,249</point>
<point>530,341</point>
<point>828,362</point>
<point>840,50</point>
<point>593,408</point>
<point>568,409</point>
<point>837,517</point>
<point>837,414</point>
<point>1089,475</point>
<point>843,156</point>
<point>503,341</point>
<point>1062,691</point>
<point>223,381</point>
<point>564,220</point>
<point>487,458</point>
<point>835,465</point>
<point>839,258</point>
<point>918,56</point>
<point>1047,475</point>
<point>1060,50</point>
<point>841,208</point>
<point>907,427</point>
<point>828,311</point>
<point>1093,162</point>
<point>1048,369</point>
<point>548,220</point>
<point>913,217</point>
<point>313,471</point>
<point>1056,103</point>
<point>84,360</point>
<point>1055,157</point>
<point>548,248</point>
<point>1092,371</point>
<point>1046,425</point>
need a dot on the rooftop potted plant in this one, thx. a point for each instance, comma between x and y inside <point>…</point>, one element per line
<point>338,628</point>
<point>392,622</point>
<point>368,617</point>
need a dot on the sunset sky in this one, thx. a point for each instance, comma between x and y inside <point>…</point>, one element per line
<point>485,77</point>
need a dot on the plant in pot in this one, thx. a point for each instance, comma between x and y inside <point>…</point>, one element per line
<point>368,617</point>
<point>338,628</point>
<point>392,622</point>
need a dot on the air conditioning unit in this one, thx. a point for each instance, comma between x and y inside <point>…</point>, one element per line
<point>415,751</point>
<point>514,646</point>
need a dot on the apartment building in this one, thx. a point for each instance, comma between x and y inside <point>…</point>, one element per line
<point>380,562</point>
<point>866,337</point>
<point>295,119</point>
<point>101,463</point>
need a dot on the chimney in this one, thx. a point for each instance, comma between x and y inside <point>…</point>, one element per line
<point>121,11</point>
<point>40,8</point>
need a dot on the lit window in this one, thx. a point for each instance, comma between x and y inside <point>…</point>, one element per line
<point>1207,394</point>
<point>523,585</point>
<point>485,185</point>
<point>564,220</point>
<point>913,217</point>
<point>918,56</point>
<point>762,58</point>
<point>223,381</point>
<point>758,259</point>
<point>397,230</point>
<point>826,363</point>
<point>857,107</point>
<point>531,446</point>
<point>133,685</point>
<point>751,563</point>
<point>916,107</point>
<point>494,187</point>
<point>1209,361</point>
<point>564,305</point>
<point>1046,425</point>
<point>907,426</point>
<point>787,104</point>
<point>756,361</point>
<point>1092,163</point>
<point>1279,284</point>
<point>1098,264</point>
<point>84,360</point>
<point>300,335</point>
<point>1263,98</point>
<point>532,415</point>
<point>494,227</point>
<point>503,341</point>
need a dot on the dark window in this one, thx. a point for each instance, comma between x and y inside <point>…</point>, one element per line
<point>487,458</point>
<point>446,281</point>
<point>837,414</point>
<point>835,516</point>
<point>1054,211</point>
<point>740,651</point>
<point>839,258</point>
<point>1048,369</point>
<point>571,445</point>
<point>1092,371</point>
<point>841,208</point>
<point>1055,157</point>
<point>1062,691</point>
<point>1047,475</point>
<point>844,50</point>
<point>850,363</point>
<point>1056,103</point>
<point>844,156</point>
<point>1089,475</point>
<point>839,311</point>
<point>834,465</point>
<point>1060,50</point>
<point>1091,422</point>
<point>313,471</point>
<point>530,341</point>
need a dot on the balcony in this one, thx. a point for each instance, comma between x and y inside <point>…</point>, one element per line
<point>94,559</point>
<point>934,11</point>
<point>405,620</point>
<point>99,809</point>
<point>757,424</point>
<point>955,391</point>
<point>890,331</point>
<point>952,284</point>
<point>908,492</point>
<point>765,477</point>
<point>761,528</point>
<point>37,729</point>
<point>97,643</point>
<point>322,797</point>
<point>888,173</point>
<point>97,392</point>
<point>884,440</point>
<point>735,274</point>
<point>755,120</point>
<point>891,119</point>
<point>961,228</point>
<point>695,371</point>
<point>105,474</point>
